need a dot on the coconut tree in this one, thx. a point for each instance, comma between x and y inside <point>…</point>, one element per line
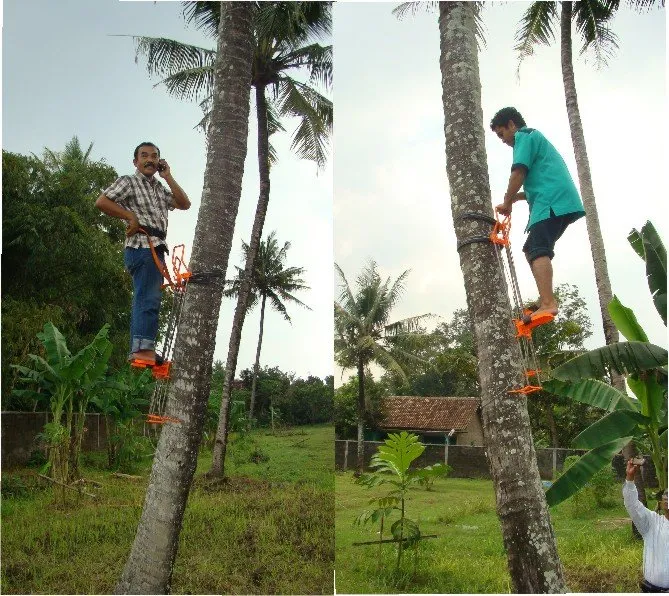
<point>528,536</point>
<point>284,49</point>
<point>149,566</point>
<point>271,280</point>
<point>592,19</point>
<point>363,335</point>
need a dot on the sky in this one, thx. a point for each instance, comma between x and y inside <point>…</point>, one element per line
<point>384,193</point>
<point>391,191</point>
<point>65,73</point>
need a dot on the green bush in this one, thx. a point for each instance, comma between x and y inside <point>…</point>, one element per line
<point>599,493</point>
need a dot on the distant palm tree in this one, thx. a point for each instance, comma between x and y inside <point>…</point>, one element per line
<point>148,569</point>
<point>271,280</point>
<point>363,335</point>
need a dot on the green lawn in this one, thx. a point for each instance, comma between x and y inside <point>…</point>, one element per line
<point>246,536</point>
<point>595,546</point>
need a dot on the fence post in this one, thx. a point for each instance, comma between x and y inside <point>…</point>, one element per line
<point>346,456</point>
<point>446,453</point>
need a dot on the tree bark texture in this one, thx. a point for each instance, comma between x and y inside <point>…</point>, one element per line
<point>361,416</point>
<point>221,442</point>
<point>149,567</point>
<point>529,539</point>
<point>602,281</point>
<point>256,364</point>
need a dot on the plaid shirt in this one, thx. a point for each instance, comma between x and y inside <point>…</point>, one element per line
<point>148,199</point>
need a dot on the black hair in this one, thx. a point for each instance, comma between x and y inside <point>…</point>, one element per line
<point>506,115</point>
<point>150,144</point>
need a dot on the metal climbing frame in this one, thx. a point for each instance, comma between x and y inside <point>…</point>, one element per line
<point>524,321</point>
<point>178,285</point>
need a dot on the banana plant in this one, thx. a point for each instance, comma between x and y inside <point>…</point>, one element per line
<point>643,419</point>
<point>392,462</point>
<point>67,381</point>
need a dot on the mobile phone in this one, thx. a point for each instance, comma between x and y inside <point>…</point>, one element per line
<point>161,165</point>
<point>638,461</point>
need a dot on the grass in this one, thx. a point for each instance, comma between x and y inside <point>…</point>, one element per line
<point>247,535</point>
<point>595,545</point>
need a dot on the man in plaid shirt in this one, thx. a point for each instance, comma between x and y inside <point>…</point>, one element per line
<point>144,202</point>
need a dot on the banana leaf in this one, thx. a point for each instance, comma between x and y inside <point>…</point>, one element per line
<point>583,470</point>
<point>650,248</point>
<point>99,366</point>
<point>652,394</point>
<point>592,392</point>
<point>634,238</point>
<point>85,359</point>
<point>609,428</point>
<point>54,344</point>
<point>625,321</point>
<point>624,358</point>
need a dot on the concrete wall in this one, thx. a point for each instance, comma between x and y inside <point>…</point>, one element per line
<point>471,462</point>
<point>473,435</point>
<point>20,430</point>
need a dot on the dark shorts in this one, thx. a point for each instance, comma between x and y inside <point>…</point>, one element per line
<point>544,234</point>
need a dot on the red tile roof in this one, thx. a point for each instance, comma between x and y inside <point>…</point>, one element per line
<point>428,413</point>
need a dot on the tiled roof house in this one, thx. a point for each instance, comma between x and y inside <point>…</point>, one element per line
<point>433,418</point>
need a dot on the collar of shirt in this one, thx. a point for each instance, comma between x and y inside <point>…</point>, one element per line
<point>151,180</point>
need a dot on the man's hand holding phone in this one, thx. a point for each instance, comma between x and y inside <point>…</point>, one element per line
<point>163,168</point>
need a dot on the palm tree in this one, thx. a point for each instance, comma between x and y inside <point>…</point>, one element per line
<point>529,539</point>
<point>149,567</point>
<point>592,18</point>
<point>270,280</point>
<point>283,35</point>
<point>363,335</point>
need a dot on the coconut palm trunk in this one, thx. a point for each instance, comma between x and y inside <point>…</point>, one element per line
<point>149,567</point>
<point>257,362</point>
<point>591,218</point>
<point>361,416</point>
<point>585,180</point>
<point>529,539</point>
<point>221,442</point>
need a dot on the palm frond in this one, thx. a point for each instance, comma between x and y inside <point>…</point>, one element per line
<point>166,57</point>
<point>312,135</point>
<point>592,19</point>
<point>536,28</point>
<point>317,59</point>
<point>204,15</point>
<point>191,83</point>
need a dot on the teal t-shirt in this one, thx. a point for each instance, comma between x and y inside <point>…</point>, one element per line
<point>548,184</point>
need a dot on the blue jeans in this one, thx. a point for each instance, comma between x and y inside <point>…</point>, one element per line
<point>146,281</point>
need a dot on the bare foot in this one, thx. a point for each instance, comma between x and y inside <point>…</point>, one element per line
<point>540,311</point>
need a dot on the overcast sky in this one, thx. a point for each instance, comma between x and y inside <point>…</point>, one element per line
<point>392,199</point>
<point>65,74</point>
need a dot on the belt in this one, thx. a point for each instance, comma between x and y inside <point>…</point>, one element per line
<point>153,231</point>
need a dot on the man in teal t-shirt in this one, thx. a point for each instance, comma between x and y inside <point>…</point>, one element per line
<point>549,191</point>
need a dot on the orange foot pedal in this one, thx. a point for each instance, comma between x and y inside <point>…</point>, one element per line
<point>526,390</point>
<point>160,371</point>
<point>524,329</point>
<point>156,419</point>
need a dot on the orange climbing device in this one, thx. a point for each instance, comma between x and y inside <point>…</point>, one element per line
<point>501,229</point>
<point>524,329</point>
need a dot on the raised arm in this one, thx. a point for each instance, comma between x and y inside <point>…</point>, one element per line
<point>642,517</point>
